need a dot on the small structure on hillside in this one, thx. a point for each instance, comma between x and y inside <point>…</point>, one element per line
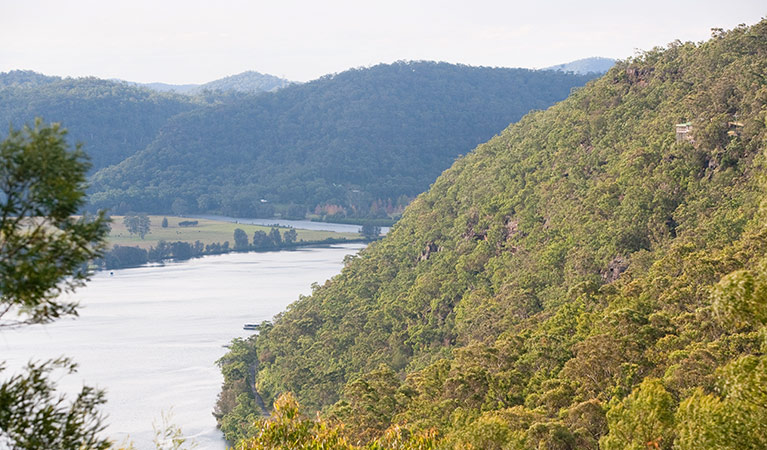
<point>684,132</point>
<point>734,128</point>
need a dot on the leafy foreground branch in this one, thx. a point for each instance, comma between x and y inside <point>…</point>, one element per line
<point>44,252</point>
<point>33,416</point>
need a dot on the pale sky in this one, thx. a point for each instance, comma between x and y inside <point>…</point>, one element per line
<point>192,41</point>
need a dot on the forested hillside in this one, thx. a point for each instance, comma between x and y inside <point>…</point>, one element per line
<point>360,143</point>
<point>113,119</point>
<point>584,280</point>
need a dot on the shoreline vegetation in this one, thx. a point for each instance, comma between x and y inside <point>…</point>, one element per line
<point>179,239</point>
<point>381,222</point>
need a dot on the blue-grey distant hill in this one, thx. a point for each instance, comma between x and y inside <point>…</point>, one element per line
<point>246,82</point>
<point>187,89</point>
<point>349,144</point>
<point>587,65</point>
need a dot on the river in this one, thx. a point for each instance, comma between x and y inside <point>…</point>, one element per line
<point>150,336</point>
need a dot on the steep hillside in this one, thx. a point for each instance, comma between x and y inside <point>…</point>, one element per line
<point>353,143</point>
<point>112,119</point>
<point>586,279</point>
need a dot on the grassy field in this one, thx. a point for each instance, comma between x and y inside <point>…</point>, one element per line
<point>207,231</point>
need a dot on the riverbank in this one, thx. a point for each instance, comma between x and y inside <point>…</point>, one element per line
<point>173,238</point>
<point>212,229</point>
<point>124,257</point>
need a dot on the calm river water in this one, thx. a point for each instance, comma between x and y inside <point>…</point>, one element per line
<point>150,336</point>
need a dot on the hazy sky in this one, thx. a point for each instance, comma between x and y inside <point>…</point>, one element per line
<point>188,41</point>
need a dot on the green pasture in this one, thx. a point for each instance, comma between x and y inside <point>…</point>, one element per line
<point>207,231</point>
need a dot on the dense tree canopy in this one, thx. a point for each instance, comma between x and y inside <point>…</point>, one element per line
<point>583,280</point>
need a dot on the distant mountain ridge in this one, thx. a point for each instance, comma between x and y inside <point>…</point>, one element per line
<point>245,82</point>
<point>250,81</point>
<point>585,65</point>
<point>166,87</point>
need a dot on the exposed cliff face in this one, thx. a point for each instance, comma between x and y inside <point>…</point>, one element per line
<point>556,268</point>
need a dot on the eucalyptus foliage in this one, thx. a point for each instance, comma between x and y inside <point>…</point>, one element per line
<point>583,280</point>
